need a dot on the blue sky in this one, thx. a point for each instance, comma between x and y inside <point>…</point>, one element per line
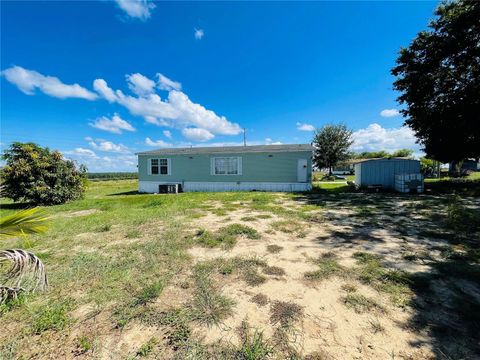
<point>102,80</point>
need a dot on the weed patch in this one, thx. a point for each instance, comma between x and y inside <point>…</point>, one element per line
<point>274,249</point>
<point>361,304</point>
<point>53,316</point>
<point>286,314</point>
<point>327,267</point>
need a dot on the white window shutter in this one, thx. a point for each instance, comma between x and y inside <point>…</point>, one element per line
<point>169,166</point>
<point>239,164</point>
<point>212,166</point>
<point>149,166</point>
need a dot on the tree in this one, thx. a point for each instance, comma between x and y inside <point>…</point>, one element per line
<point>27,272</point>
<point>403,153</point>
<point>428,166</point>
<point>331,144</point>
<point>40,176</point>
<point>438,76</point>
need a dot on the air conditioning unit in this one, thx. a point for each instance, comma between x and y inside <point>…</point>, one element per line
<point>169,188</point>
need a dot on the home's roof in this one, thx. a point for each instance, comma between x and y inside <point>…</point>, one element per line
<point>230,149</point>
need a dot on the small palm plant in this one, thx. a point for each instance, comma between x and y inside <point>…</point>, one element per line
<point>26,272</point>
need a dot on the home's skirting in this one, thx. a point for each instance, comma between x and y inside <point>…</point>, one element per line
<point>152,186</point>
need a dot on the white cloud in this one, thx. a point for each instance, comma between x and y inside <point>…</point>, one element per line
<point>167,134</point>
<point>375,138</point>
<point>81,152</point>
<point>107,146</point>
<point>269,141</point>
<point>305,127</point>
<point>95,163</point>
<point>389,112</point>
<point>140,85</point>
<point>102,88</point>
<point>164,83</point>
<point>196,134</point>
<point>198,33</point>
<point>139,9</point>
<point>28,81</point>
<point>176,111</point>
<point>114,125</point>
<point>157,143</point>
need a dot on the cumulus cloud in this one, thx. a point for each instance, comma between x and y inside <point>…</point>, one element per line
<point>197,134</point>
<point>305,127</point>
<point>81,152</point>
<point>140,85</point>
<point>198,33</point>
<point>167,134</point>
<point>28,81</point>
<point>95,163</point>
<point>139,9</point>
<point>102,88</point>
<point>157,143</point>
<point>107,146</point>
<point>114,125</point>
<point>164,83</point>
<point>389,113</point>
<point>176,111</point>
<point>375,138</point>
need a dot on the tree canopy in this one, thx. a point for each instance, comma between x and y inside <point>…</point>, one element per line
<point>40,176</point>
<point>383,154</point>
<point>331,143</point>
<point>438,76</point>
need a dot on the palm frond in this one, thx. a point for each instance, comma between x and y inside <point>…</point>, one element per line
<point>30,221</point>
<point>26,271</point>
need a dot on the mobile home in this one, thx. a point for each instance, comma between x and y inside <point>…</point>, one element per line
<point>232,168</point>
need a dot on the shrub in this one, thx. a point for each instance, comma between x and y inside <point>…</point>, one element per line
<point>40,176</point>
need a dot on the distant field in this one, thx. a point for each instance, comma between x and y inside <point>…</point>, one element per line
<point>112,176</point>
<point>251,275</point>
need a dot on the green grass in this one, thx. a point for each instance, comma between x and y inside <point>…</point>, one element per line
<point>327,267</point>
<point>226,236</point>
<point>52,316</point>
<point>361,304</point>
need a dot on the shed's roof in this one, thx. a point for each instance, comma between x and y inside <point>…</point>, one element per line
<point>230,149</point>
<point>384,159</point>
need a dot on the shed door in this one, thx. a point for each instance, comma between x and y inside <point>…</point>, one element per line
<point>302,170</point>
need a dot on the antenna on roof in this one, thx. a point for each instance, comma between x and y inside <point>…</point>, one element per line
<point>244,137</point>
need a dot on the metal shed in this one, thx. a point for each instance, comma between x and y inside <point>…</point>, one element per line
<point>382,171</point>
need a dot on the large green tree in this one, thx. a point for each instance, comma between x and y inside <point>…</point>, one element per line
<point>438,76</point>
<point>331,143</point>
<point>40,176</point>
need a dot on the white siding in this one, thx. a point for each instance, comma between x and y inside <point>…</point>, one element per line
<point>152,186</point>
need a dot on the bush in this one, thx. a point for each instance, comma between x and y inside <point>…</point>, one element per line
<point>40,176</point>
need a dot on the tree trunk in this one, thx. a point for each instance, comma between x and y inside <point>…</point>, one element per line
<point>329,171</point>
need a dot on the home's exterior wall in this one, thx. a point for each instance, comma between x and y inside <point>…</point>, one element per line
<point>376,172</point>
<point>194,172</point>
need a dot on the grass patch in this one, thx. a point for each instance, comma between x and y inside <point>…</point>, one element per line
<point>289,227</point>
<point>273,270</point>
<point>133,234</point>
<point>327,267</point>
<point>253,278</point>
<point>285,314</point>
<point>209,305</point>
<point>361,304</point>
<point>253,345</point>
<point>394,282</point>
<point>147,348</point>
<point>274,249</point>
<point>149,293</point>
<point>53,316</point>
<point>376,326</point>
<point>226,236</point>
<point>260,299</point>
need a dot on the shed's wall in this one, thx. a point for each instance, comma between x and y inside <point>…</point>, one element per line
<point>256,167</point>
<point>376,172</point>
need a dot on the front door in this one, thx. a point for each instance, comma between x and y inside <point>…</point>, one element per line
<point>302,170</point>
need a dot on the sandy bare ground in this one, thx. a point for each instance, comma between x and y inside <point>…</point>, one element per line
<point>327,324</point>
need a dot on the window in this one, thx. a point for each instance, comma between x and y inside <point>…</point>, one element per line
<point>159,166</point>
<point>226,166</point>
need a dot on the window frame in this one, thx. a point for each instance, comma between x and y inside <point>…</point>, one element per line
<point>213,166</point>
<point>160,164</point>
